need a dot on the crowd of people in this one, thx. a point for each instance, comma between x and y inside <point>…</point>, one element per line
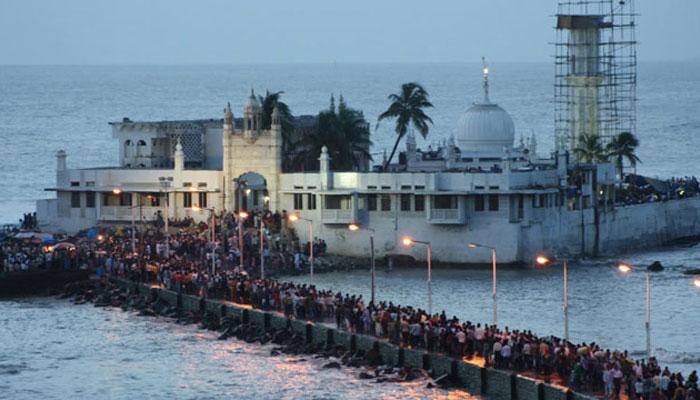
<point>639,189</point>
<point>228,267</point>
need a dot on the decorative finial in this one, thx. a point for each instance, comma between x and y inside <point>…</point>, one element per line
<point>486,80</point>
<point>178,146</point>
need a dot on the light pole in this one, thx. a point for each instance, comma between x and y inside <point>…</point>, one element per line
<point>356,227</point>
<point>165,183</point>
<point>626,268</point>
<point>408,242</point>
<point>241,216</point>
<point>262,248</point>
<point>493,278</point>
<point>543,261</point>
<point>295,218</point>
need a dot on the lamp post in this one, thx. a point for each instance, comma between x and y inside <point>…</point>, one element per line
<point>408,242</point>
<point>627,268</point>
<point>165,183</point>
<point>493,278</point>
<point>295,218</point>
<point>544,261</point>
<point>241,216</point>
<point>262,248</point>
<point>356,227</point>
<point>117,191</point>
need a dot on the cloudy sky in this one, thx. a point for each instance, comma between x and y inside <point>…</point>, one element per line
<point>311,31</point>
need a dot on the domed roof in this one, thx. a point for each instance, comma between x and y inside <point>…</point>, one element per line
<point>252,103</point>
<point>485,127</point>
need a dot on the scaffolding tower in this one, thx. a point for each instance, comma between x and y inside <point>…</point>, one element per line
<point>595,71</point>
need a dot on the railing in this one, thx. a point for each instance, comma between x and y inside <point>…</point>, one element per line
<point>119,213</point>
<point>336,216</point>
<point>445,216</point>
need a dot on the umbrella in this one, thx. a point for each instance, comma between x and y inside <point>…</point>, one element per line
<point>64,245</point>
<point>48,240</point>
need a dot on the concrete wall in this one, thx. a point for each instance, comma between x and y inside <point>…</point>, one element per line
<point>494,384</point>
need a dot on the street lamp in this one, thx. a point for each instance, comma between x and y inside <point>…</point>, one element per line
<point>543,261</point>
<point>626,268</point>
<point>165,182</point>
<point>408,242</point>
<point>241,216</point>
<point>296,218</point>
<point>493,273</point>
<point>696,282</point>
<point>356,227</point>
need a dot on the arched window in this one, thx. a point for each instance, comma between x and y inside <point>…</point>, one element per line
<point>127,149</point>
<point>141,143</point>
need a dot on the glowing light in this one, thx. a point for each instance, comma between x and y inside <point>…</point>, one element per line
<point>407,241</point>
<point>542,260</point>
<point>242,214</point>
<point>622,267</point>
<point>247,191</point>
<point>116,191</point>
<point>100,237</point>
<point>696,282</point>
<point>486,71</point>
<point>354,227</point>
<point>293,217</point>
<point>267,199</point>
<point>472,245</point>
<point>195,208</point>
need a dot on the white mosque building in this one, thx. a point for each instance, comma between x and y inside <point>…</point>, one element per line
<point>479,186</point>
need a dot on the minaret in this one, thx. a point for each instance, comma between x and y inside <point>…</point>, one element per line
<point>276,138</point>
<point>61,161</point>
<point>227,157</point>
<point>325,169</point>
<point>252,116</point>
<point>179,157</point>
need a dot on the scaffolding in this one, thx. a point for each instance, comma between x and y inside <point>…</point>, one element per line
<point>595,70</point>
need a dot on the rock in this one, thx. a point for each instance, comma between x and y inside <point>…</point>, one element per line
<point>274,353</point>
<point>373,358</point>
<point>655,267</point>
<point>147,312</point>
<point>695,271</point>
<point>365,375</point>
<point>332,364</point>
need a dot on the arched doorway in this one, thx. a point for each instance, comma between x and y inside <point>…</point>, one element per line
<point>251,192</point>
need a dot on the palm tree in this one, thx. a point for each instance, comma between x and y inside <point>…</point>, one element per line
<point>344,131</point>
<point>590,149</point>
<point>407,107</point>
<point>268,104</point>
<point>623,147</point>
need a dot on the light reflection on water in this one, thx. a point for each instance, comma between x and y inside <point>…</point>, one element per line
<point>52,349</point>
<point>604,306</point>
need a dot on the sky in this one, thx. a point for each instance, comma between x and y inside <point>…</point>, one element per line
<point>312,31</point>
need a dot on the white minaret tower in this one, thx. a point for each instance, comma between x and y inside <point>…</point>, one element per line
<point>252,116</point>
<point>227,155</point>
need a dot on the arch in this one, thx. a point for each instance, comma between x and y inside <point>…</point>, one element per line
<point>251,192</point>
<point>141,142</point>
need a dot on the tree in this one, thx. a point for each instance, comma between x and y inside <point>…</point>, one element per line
<point>407,107</point>
<point>590,149</point>
<point>623,147</point>
<point>344,131</point>
<point>268,104</point>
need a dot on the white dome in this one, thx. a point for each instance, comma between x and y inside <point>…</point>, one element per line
<point>252,103</point>
<point>485,127</point>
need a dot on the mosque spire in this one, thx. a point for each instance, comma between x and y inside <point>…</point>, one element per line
<point>486,80</point>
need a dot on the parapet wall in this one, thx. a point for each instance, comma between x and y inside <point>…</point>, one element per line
<point>492,383</point>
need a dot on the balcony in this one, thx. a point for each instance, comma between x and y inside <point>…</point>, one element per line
<point>123,214</point>
<point>341,216</point>
<point>446,216</point>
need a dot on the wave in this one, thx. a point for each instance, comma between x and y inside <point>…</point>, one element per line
<point>676,357</point>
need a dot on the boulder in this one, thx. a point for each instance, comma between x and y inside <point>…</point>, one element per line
<point>332,364</point>
<point>655,267</point>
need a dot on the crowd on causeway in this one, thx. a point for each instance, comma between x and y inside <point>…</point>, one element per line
<point>190,262</point>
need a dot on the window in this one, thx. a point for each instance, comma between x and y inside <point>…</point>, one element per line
<point>419,202</point>
<point>386,202</point>
<point>371,187</point>
<point>311,201</point>
<point>338,202</point>
<point>124,199</point>
<point>141,143</point>
<point>493,202</point>
<point>405,187</point>
<point>202,199</point>
<point>74,183</point>
<point>405,202</point>
<point>420,187</point>
<point>479,202</point>
<point>493,187</point>
<point>90,199</point>
<point>201,184</point>
<point>445,202</point>
<point>386,187</point>
<point>90,183</point>
<point>521,205</point>
<point>371,202</point>
<point>187,184</point>
<point>298,201</point>
<point>75,199</point>
<point>187,200</point>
